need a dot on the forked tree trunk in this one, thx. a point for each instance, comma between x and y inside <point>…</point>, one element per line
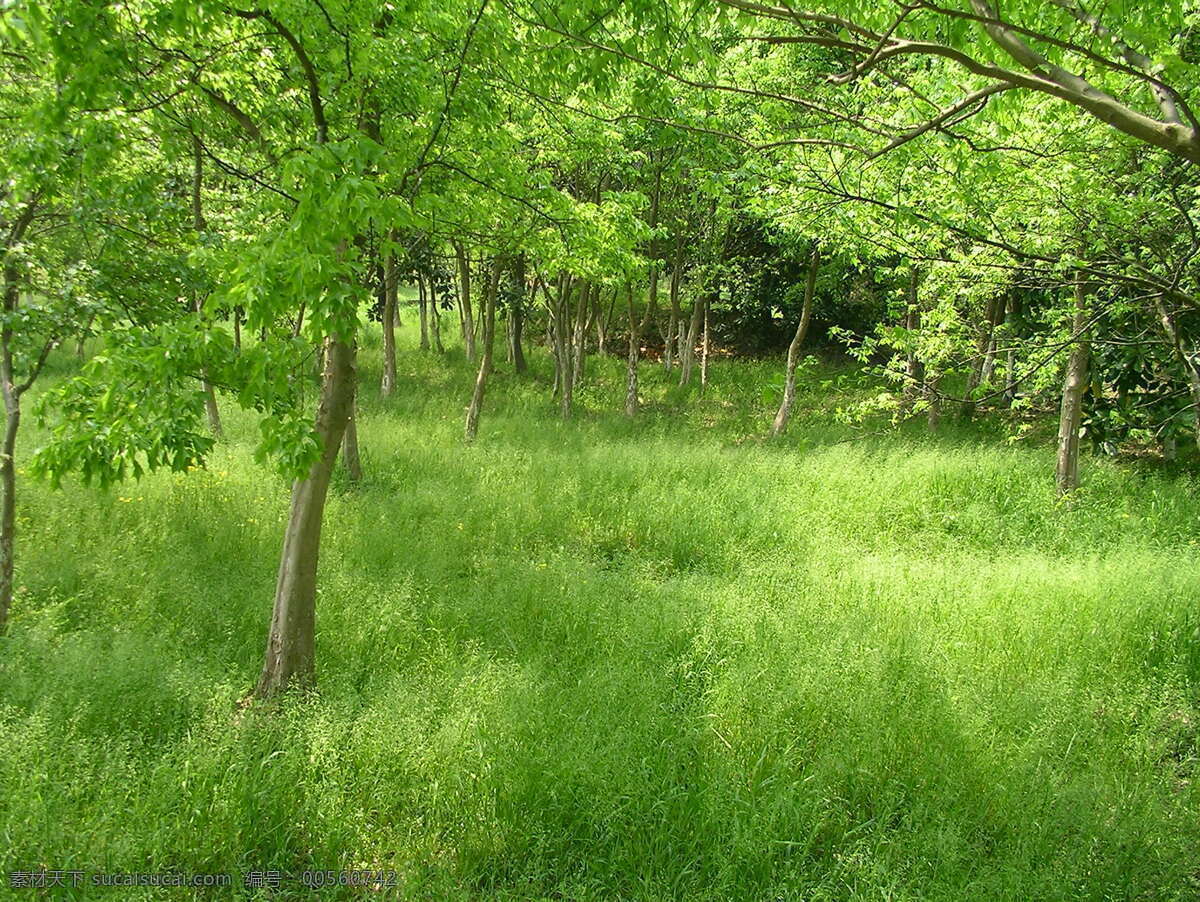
<point>688,357</point>
<point>390,276</point>
<point>1071,414</point>
<point>793,355</point>
<point>289,661</point>
<point>464,300</point>
<point>485,364</point>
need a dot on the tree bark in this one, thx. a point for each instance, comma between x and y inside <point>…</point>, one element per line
<point>704,346</point>
<point>579,340</point>
<point>673,293</point>
<point>914,386</point>
<point>793,356</point>
<point>1175,340</point>
<point>985,351</point>
<point>387,383</point>
<point>631,368</point>
<point>1067,474</point>
<point>8,502</point>
<point>423,306</point>
<point>464,300</point>
<point>289,661</point>
<point>435,318</point>
<point>517,335</point>
<point>485,363</point>
<point>688,357</point>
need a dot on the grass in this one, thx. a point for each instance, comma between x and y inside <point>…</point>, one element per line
<point>601,659</point>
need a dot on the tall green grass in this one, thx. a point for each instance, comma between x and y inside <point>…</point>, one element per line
<point>601,659</point>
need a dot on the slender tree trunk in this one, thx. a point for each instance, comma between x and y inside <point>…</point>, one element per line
<point>289,661</point>
<point>8,502</point>
<point>390,278</point>
<point>423,306</point>
<point>198,223</point>
<point>485,364</point>
<point>914,387</point>
<point>435,318</point>
<point>562,339</point>
<point>981,371</point>
<point>210,396</point>
<point>1010,363</point>
<point>579,343</point>
<point>517,340</point>
<point>464,299</point>
<point>793,354</point>
<point>631,369</point>
<point>704,346</point>
<point>1067,474</point>
<point>11,393</point>
<point>602,324</point>
<point>1175,340</point>
<point>674,316</point>
<point>933,412</point>
<point>688,357</point>
<point>83,336</point>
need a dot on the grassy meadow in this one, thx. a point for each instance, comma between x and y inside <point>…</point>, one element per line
<point>603,659</point>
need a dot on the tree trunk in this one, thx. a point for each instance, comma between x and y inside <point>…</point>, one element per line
<point>390,276</point>
<point>631,369</point>
<point>602,324</point>
<point>1010,363</point>
<point>289,661</point>
<point>562,343</point>
<point>793,355</point>
<point>985,350</point>
<point>579,339</point>
<point>423,306</point>
<point>485,364</point>
<point>435,318</point>
<point>464,300</point>
<point>1175,340</point>
<point>517,337</point>
<point>1067,475</point>
<point>933,413</point>
<point>704,346</point>
<point>674,316</point>
<point>688,357</point>
<point>914,386</point>
<point>8,502</point>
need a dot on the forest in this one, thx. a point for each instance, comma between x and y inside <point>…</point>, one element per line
<point>600,449</point>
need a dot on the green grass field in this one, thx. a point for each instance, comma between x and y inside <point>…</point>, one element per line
<point>609,660</point>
